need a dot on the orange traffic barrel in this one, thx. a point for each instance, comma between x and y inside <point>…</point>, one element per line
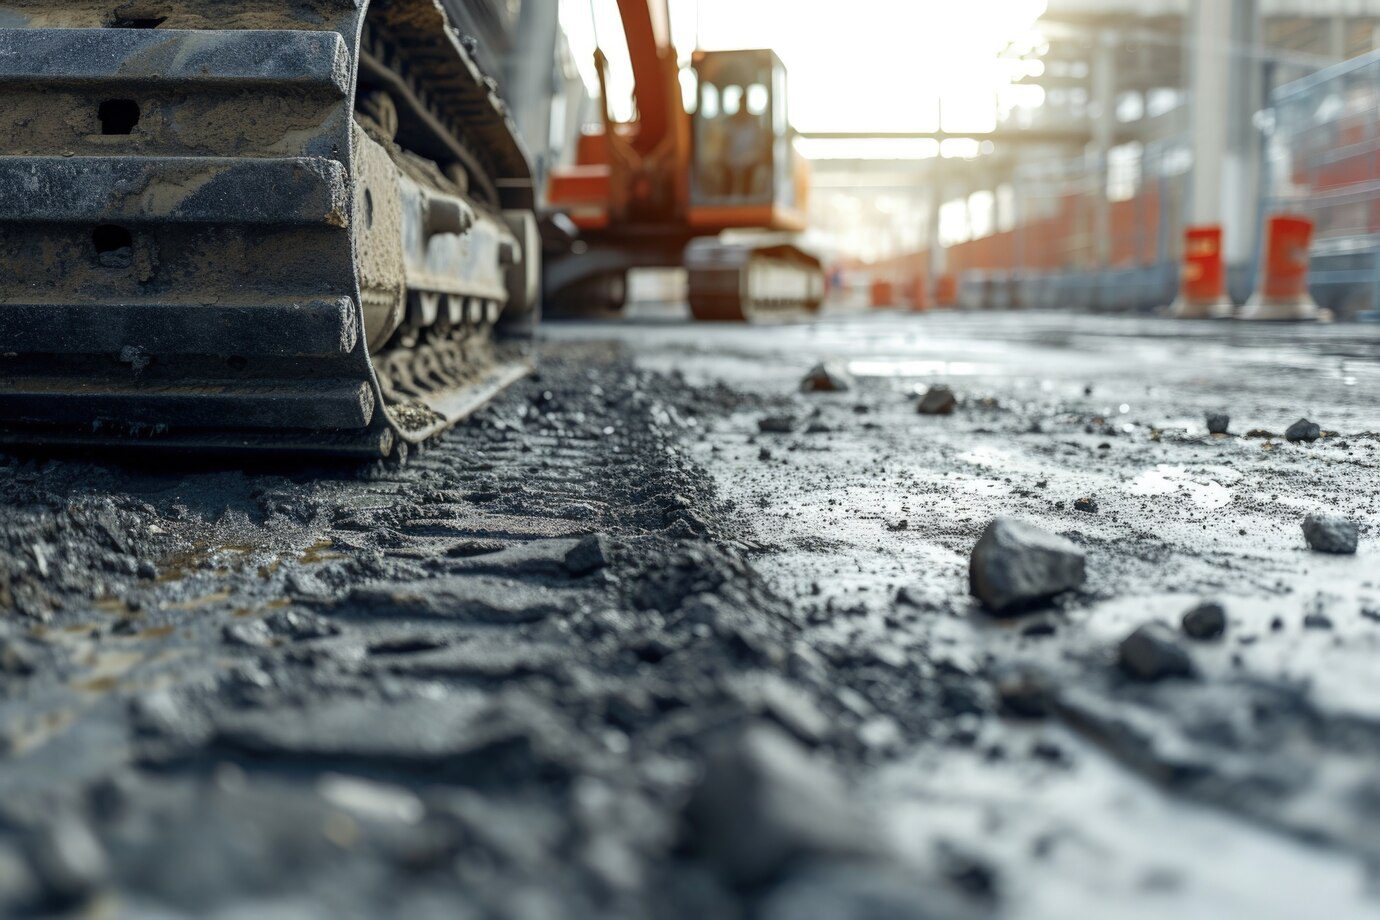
<point>919,294</point>
<point>1203,278</point>
<point>946,290</point>
<point>1283,292</point>
<point>883,293</point>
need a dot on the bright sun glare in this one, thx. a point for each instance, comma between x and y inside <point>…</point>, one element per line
<point>863,66</point>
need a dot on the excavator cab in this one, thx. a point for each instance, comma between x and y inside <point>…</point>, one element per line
<point>746,172</point>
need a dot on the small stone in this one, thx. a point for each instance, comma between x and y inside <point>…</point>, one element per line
<point>1330,533</point>
<point>1205,621</point>
<point>827,377</point>
<point>764,454</point>
<point>1016,566</point>
<point>938,400</point>
<point>1317,621</point>
<point>1218,422</point>
<point>776,424</point>
<point>68,860</point>
<point>588,556</point>
<point>1303,430</point>
<point>1086,504</point>
<point>1150,653</point>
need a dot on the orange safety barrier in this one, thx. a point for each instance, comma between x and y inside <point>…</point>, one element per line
<point>1283,293</point>
<point>1203,288</point>
<point>919,294</point>
<point>946,290</point>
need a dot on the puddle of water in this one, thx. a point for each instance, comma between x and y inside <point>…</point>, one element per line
<point>910,367</point>
<point>1202,488</point>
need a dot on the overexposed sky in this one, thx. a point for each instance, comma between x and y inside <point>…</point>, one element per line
<point>855,65</point>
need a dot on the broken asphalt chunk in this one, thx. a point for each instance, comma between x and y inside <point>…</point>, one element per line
<point>827,377</point>
<point>938,400</point>
<point>1016,566</point>
<point>1205,621</point>
<point>1150,653</point>
<point>1303,430</point>
<point>1330,533</point>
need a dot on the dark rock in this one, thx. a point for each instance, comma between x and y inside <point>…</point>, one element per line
<point>68,860</point>
<point>1150,653</point>
<point>764,802</point>
<point>827,377</point>
<point>588,556</point>
<point>938,400</point>
<point>1015,566</point>
<point>1205,621</point>
<point>1218,422</point>
<point>776,424</point>
<point>1317,621</point>
<point>1303,430</point>
<point>1085,504</point>
<point>969,873</point>
<point>1330,533</point>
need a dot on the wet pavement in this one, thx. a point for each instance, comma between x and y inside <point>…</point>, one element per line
<point>617,648</point>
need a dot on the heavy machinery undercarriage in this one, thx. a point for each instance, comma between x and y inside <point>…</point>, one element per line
<point>254,224</point>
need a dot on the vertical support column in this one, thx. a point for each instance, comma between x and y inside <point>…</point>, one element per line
<point>1241,162</point>
<point>529,78</point>
<point>1104,137</point>
<point>936,249</point>
<point>1226,86</point>
<point>1210,72</point>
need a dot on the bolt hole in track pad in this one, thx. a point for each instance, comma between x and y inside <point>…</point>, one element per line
<point>193,183</point>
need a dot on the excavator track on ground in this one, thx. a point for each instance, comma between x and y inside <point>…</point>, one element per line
<point>233,225</point>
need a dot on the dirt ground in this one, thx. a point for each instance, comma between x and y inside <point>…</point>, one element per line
<point>613,650</point>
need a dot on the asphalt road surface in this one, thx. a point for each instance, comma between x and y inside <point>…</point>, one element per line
<point>659,635</point>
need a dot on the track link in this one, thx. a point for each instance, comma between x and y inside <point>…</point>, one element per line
<point>189,248</point>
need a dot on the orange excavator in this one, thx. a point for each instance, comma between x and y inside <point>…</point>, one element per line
<point>661,190</point>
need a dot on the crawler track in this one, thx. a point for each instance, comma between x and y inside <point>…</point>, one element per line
<point>204,245</point>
